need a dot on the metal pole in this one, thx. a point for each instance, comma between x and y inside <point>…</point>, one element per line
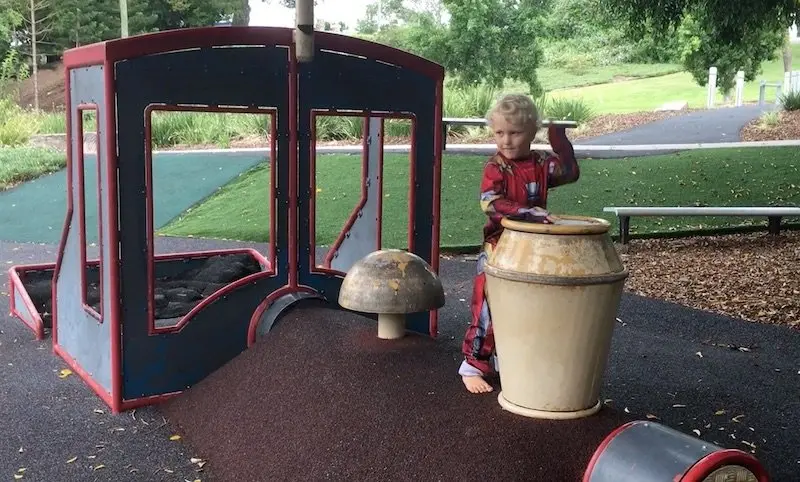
<point>304,33</point>
<point>123,17</point>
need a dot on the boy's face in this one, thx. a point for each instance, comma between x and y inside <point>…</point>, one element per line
<point>513,140</point>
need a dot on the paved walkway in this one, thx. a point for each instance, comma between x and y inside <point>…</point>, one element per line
<point>180,181</point>
<point>707,126</point>
<point>714,125</point>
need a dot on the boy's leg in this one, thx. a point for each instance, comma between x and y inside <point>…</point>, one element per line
<point>478,345</point>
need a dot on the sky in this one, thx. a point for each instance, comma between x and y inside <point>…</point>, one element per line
<point>262,14</point>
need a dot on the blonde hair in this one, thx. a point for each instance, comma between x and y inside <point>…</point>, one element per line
<point>517,109</point>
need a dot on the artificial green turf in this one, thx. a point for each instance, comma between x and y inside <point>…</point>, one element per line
<point>713,177</point>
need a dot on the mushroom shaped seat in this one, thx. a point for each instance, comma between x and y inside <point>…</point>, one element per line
<point>391,283</point>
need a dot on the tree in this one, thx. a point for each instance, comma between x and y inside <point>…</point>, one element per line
<point>701,49</point>
<point>494,40</point>
<point>10,20</point>
<point>730,35</point>
<point>291,3</point>
<point>242,16</point>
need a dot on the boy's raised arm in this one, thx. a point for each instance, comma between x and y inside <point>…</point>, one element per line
<point>563,168</point>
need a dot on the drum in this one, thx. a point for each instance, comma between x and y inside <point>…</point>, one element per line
<point>553,292</point>
<point>643,451</point>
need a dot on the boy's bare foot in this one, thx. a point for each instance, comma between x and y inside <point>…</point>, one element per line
<point>476,384</point>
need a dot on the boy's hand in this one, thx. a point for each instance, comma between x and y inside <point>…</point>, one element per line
<point>537,215</point>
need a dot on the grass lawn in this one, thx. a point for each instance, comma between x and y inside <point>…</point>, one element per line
<point>20,164</point>
<point>650,93</point>
<point>720,177</point>
<point>552,79</point>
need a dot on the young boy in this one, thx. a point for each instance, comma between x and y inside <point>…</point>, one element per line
<point>515,184</point>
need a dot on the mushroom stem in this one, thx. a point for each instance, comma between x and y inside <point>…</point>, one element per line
<point>391,326</point>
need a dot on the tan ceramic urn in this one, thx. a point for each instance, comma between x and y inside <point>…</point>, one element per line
<point>553,291</point>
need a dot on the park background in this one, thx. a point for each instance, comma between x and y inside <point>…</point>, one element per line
<point>611,66</point>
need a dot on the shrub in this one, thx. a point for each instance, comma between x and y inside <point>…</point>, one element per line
<point>569,109</point>
<point>790,100</point>
<point>16,125</point>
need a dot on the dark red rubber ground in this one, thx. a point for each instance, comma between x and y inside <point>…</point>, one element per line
<point>321,397</point>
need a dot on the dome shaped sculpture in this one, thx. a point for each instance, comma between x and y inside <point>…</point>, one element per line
<point>391,283</point>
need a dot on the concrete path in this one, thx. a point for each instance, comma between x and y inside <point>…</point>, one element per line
<point>714,125</point>
<point>706,126</point>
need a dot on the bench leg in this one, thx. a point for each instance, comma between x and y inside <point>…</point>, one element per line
<point>624,226</point>
<point>774,224</point>
<point>444,137</point>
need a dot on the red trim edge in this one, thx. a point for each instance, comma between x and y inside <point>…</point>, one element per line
<point>15,285</point>
<point>587,475</point>
<point>713,461</point>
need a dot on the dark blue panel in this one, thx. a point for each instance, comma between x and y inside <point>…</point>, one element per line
<point>245,76</point>
<point>242,76</point>
<point>172,362</point>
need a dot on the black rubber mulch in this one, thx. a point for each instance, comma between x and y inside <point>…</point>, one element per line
<point>322,397</point>
<point>733,382</point>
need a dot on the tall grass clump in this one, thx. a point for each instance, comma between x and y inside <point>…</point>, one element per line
<point>204,128</point>
<point>16,125</point>
<point>790,101</point>
<point>56,122</point>
<point>21,163</point>
<point>568,109</point>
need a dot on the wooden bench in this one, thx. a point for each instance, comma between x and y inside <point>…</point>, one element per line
<point>466,121</point>
<point>773,214</point>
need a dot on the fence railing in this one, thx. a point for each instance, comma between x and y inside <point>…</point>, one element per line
<point>469,121</point>
<point>790,84</point>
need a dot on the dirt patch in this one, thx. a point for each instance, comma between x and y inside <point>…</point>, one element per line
<point>51,89</point>
<point>749,276</point>
<point>777,126</point>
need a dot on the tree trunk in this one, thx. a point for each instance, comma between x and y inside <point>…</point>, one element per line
<point>34,58</point>
<point>787,53</point>
<point>242,17</point>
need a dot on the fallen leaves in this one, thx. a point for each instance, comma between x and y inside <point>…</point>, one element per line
<point>786,126</point>
<point>64,373</point>
<point>753,276</point>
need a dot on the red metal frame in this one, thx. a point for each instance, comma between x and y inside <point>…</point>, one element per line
<point>113,220</point>
<point>16,285</point>
<point>602,447</point>
<point>252,330</point>
<point>98,315</point>
<point>268,264</point>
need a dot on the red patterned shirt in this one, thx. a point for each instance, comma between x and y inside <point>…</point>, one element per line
<point>509,186</point>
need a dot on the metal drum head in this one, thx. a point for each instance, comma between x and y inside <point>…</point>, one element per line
<point>731,473</point>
